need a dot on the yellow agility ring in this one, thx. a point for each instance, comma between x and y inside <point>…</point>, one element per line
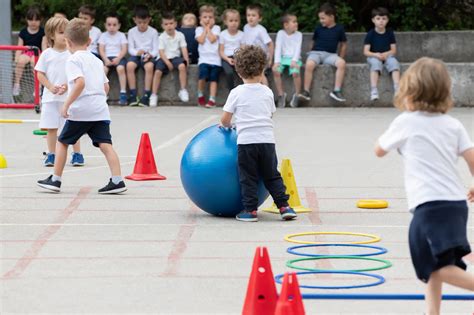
<point>372,238</point>
<point>372,204</point>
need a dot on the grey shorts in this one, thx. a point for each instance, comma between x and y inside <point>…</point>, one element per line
<point>391,64</point>
<point>323,57</point>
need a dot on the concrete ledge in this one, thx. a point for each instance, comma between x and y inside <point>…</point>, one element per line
<point>356,87</point>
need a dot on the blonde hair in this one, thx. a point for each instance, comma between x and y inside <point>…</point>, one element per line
<point>426,85</point>
<point>52,25</point>
<point>207,9</point>
<point>189,15</point>
<point>229,11</point>
<point>77,31</point>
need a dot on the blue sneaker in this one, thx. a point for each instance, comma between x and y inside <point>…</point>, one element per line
<point>123,99</point>
<point>287,213</point>
<point>77,159</point>
<point>247,216</point>
<point>144,101</point>
<point>49,160</point>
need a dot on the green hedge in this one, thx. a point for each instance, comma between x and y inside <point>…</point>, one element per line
<point>406,15</point>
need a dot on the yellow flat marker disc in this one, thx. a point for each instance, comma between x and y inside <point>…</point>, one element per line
<point>372,204</point>
<point>372,238</point>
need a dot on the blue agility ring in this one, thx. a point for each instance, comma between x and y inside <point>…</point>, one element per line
<point>380,250</point>
<point>380,280</point>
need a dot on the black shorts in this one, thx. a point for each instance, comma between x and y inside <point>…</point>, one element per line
<point>98,131</point>
<point>161,65</point>
<point>438,236</point>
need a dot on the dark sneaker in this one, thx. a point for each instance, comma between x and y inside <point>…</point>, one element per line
<point>294,101</point>
<point>49,184</point>
<point>247,216</point>
<point>281,102</point>
<point>337,95</point>
<point>144,101</point>
<point>49,160</point>
<point>201,101</point>
<point>287,213</point>
<point>112,188</point>
<point>123,99</point>
<point>77,159</point>
<point>133,100</point>
<point>305,95</point>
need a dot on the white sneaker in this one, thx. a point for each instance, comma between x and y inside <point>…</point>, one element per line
<point>16,90</point>
<point>374,95</point>
<point>183,95</point>
<point>153,100</point>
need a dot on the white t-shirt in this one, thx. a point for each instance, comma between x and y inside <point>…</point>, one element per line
<point>288,45</point>
<point>112,43</point>
<point>94,35</point>
<point>256,35</point>
<point>53,64</point>
<point>91,105</point>
<point>252,106</point>
<point>209,52</point>
<point>172,45</point>
<point>231,42</point>
<point>430,145</point>
<point>146,41</point>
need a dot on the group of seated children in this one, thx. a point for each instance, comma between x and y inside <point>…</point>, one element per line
<point>213,50</point>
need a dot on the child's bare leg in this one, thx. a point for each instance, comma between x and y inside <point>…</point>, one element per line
<point>456,276</point>
<point>341,69</point>
<point>213,89</point>
<point>396,78</point>
<point>182,76</point>
<point>433,294</point>
<point>51,139</point>
<point>132,80</point>
<point>201,85</point>
<point>122,78</point>
<point>60,159</point>
<point>111,157</point>
<point>106,70</point>
<point>156,81</point>
<point>308,74</point>
<point>297,82</point>
<point>149,66</point>
<point>76,147</point>
<point>278,82</point>
<point>23,60</point>
<point>374,78</point>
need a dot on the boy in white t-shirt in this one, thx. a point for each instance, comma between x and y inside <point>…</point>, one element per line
<point>51,69</point>
<point>112,49</point>
<point>252,104</point>
<point>87,13</point>
<point>288,55</point>
<point>85,108</point>
<point>173,55</point>
<point>256,34</point>
<point>230,40</point>
<point>430,143</point>
<point>207,35</point>
<point>143,49</point>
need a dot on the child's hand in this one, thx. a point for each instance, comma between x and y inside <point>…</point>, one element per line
<point>146,57</point>
<point>140,52</point>
<point>379,56</point>
<point>270,61</point>
<point>54,89</point>
<point>64,111</point>
<point>276,66</point>
<point>62,89</point>
<point>115,61</point>
<point>170,66</point>
<point>470,194</point>
<point>294,65</point>
<point>231,61</point>
<point>107,63</point>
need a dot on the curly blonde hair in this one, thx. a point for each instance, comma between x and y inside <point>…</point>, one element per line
<point>250,61</point>
<point>426,86</point>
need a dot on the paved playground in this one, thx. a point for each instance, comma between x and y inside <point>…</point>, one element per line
<point>151,251</point>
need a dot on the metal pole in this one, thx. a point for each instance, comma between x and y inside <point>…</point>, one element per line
<point>6,66</point>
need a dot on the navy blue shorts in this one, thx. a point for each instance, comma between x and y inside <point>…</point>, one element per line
<point>98,131</point>
<point>438,236</point>
<point>138,61</point>
<point>209,72</point>
<point>123,62</point>
<point>161,65</point>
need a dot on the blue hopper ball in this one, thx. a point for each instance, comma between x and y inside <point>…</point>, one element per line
<point>209,172</point>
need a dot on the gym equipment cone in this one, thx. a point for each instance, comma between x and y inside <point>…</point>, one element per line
<point>291,190</point>
<point>261,295</point>
<point>290,301</point>
<point>3,161</point>
<point>145,167</point>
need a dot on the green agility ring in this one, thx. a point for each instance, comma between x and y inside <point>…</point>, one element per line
<point>40,132</point>
<point>385,263</point>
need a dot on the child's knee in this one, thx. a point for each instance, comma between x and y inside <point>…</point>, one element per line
<point>295,75</point>
<point>182,67</point>
<point>310,65</point>
<point>121,69</point>
<point>131,66</point>
<point>341,63</point>
<point>148,67</point>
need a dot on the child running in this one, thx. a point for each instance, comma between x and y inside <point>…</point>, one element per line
<point>430,142</point>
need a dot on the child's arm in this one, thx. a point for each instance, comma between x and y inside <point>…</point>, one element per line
<point>132,50</point>
<point>122,54</point>
<point>368,53</point>
<point>106,88</point>
<point>391,52</point>
<point>468,155</point>
<point>271,51</point>
<point>202,38</point>
<point>45,82</point>
<point>77,89</point>
<point>226,120</point>
<point>102,55</point>
<point>342,49</point>
<point>223,55</point>
<point>165,59</point>
<point>212,37</point>
<point>379,152</point>
<point>44,43</point>
<point>277,52</point>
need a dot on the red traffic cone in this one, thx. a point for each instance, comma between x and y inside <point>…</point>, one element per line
<point>145,167</point>
<point>290,301</point>
<point>261,295</point>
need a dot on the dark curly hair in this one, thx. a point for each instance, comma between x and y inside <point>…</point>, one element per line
<point>250,61</point>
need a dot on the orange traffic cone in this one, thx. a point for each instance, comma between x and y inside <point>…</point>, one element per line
<point>145,167</point>
<point>261,295</point>
<point>290,301</point>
